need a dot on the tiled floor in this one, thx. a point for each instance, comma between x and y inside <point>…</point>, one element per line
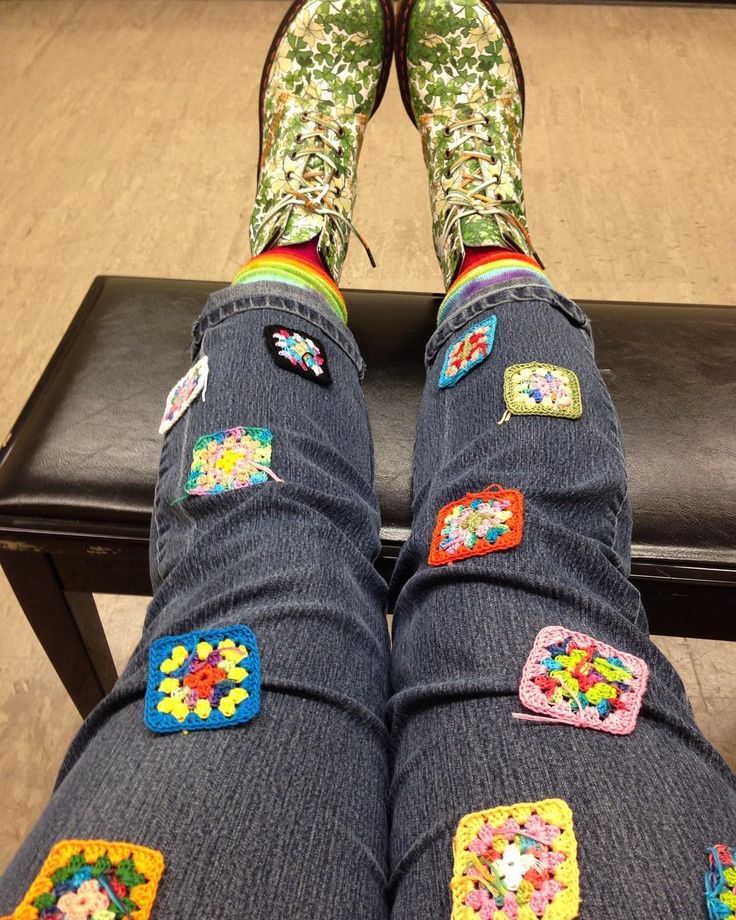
<point>129,146</point>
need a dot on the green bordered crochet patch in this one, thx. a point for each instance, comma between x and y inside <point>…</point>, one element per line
<point>541,389</point>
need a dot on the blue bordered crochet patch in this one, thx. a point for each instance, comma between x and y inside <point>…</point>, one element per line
<point>467,352</point>
<point>210,678</point>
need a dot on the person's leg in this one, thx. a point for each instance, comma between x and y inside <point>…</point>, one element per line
<point>264,538</point>
<point>474,590</point>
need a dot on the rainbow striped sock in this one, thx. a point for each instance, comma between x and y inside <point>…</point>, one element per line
<point>282,265</point>
<point>502,267</point>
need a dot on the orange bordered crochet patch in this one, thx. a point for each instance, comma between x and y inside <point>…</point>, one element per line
<point>516,862</point>
<point>91,878</point>
<point>478,523</point>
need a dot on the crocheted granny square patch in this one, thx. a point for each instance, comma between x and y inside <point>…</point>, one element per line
<point>467,352</point>
<point>298,352</point>
<point>94,879</point>
<point>479,523</point>
<point>720,883</point>
<point>205,679</point>
<point>231,459</point>
<point>184,393</point>
<point>516,862</point>
<point>541,389</point>
<point>573,678</point>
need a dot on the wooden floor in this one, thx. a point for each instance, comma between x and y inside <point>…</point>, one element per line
<point>129,146</point>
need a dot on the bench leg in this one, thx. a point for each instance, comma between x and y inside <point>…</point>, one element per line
<point>66,624</point>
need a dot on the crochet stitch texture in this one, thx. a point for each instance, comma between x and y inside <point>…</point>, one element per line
<point>573,678</point>
<point>467,352</point>
<point>208,678</point>
<point>516,862</point>
<point>478,523</point>
<point>93,879</point>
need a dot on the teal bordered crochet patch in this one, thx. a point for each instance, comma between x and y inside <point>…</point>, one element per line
<point>209,678</point>
<point>720,882</point>
<point>467,352</point>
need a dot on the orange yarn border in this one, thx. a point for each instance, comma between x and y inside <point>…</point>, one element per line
<point>508,540</point>
<point>147,861</point>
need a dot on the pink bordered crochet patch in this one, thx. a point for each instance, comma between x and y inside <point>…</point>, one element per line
<point>516,862</point>
<point>573,678</point>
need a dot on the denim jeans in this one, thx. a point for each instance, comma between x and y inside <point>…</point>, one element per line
<point>341,798</point>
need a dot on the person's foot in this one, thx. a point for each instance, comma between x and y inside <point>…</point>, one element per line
<point>323,78</point>
<point>462,85</point>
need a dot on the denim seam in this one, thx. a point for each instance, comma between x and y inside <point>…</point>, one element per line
<point>219,309</point>
<point>487,303</point>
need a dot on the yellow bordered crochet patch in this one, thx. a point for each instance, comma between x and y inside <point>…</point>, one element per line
<point>95,879</point>
<point>516,862</point>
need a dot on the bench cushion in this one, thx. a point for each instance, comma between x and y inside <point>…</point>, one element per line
<point>85,450</point>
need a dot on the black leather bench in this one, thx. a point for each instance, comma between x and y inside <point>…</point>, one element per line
<point>77,473</point>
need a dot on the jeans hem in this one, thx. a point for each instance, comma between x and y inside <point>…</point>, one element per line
<point>307,305</point>
<point>487,301</point>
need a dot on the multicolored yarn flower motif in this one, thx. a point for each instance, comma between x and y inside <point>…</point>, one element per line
<point>467,352</point>
<point>184,392</point>
<point>231,459</point>
<point>204,679</point>
<point>573,678</point>
<point>516,862</point>
<point>479,523</point>
<point>94,880</point>
<point>720,882</point>
<point>296,351</point>
<point>541,389</point>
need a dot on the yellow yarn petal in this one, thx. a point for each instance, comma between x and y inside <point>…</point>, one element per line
<point>226,643</point>
<point>179,710</point>
<point>203,650</point>
<point>237,695</point>
<point>179,655</point>
<point>227,706</point>
<point>203,709</point>
<point>165,704</point>
<point>237,674</point>
<point>168,666</point>
<point>168,685</point>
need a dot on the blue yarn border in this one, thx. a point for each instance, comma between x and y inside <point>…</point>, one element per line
<point>160,650</point>
<point>446,381</point>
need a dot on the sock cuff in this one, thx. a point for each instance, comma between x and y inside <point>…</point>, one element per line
<point>290,269</point>
<point>500,268</point>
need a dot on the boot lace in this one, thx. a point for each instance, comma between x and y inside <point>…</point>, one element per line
<point>314,188</point>
<point>472,193</point>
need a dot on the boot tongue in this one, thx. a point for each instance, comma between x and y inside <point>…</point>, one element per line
<point>303,224</point>
<point>504,133</point>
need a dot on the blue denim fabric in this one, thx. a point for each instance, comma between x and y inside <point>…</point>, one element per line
<point>288,815</point>
<point>645,806</point>
<point>285,816</point>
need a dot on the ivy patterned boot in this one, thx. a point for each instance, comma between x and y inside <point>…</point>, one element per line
<point>463,87</point>
<point>323,78</point>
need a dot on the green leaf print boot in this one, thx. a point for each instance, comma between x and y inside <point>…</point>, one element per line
<point>323,78</point>
<point>462,85</point>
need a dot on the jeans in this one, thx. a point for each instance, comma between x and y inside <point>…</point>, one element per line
<point>341,798</point>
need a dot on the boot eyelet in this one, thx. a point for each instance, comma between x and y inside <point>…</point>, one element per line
<point>303,116</point>
<point>447,131</point>
<point>494,160</point>
<point>298,138</point>
<point>448,174</point>
<point>486,120</point>
<point>447,154</point>
<point>341,131</point>
<point>498,196</point>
